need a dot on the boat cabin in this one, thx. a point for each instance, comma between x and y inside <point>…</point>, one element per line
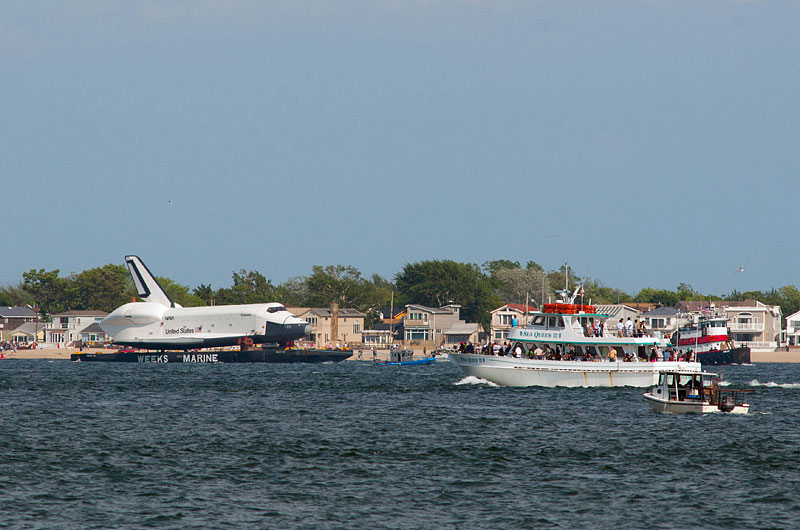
<point>701,388</point>
<point>682,386</point>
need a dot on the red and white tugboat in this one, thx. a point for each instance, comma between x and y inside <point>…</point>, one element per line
<point>709,338</point>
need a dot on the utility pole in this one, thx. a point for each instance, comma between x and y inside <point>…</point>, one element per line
<point>334,322</point>
<point>391,322</point>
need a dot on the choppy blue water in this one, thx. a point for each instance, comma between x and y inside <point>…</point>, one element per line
<point>352,445</point>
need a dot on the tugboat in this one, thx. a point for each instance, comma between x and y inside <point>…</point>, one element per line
<point>681,392</point>
<point>708,337</point>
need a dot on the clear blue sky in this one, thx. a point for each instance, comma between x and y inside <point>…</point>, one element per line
<point>646,142</point>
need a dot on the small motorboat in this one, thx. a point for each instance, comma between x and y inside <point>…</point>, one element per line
<point>426,360</point>
<point>682,392</point>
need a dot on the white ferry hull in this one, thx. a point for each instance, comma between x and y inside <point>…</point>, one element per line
<point>511,371</point>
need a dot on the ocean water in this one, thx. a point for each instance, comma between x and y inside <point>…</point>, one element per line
<point>352,445</point>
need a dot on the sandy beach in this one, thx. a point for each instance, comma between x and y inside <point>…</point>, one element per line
<point>49,353</point>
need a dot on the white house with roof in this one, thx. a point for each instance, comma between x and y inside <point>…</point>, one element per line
<point>662,320</point>
<point>793,329</point>
<point>349,325</point>
<point>433,327</point>
<point>65,328</point>
<point>27,334</point>
<point>13,317</point>
<point>616,312</point>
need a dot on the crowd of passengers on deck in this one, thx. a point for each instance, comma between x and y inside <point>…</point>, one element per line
<point>595,327</point>
<point>573,352</point>
<point>629,328</point>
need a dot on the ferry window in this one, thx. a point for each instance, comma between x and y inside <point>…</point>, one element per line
<point>560,322</point>
<point>551,322</point>
<point>538,321</point>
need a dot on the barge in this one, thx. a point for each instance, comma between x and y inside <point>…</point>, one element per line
<point>260,355</point>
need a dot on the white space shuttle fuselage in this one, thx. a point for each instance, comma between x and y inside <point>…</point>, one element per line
<point>159,323</point>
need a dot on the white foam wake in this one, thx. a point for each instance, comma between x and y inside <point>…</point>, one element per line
<point>772,384</point>
<point>472,380</point>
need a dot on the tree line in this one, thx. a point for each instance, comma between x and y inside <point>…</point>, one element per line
<point>476,288</point>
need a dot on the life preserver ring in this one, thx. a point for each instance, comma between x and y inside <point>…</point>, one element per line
<point>561,308</point>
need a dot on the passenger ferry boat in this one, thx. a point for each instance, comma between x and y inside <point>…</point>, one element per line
<point>709,338</point>
<point>682,392</point>
<point>598,361</point>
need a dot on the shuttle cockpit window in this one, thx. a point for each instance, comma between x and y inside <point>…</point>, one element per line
<point>275,309</point>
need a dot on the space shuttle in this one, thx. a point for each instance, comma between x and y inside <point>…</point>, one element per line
<point>158,323</point>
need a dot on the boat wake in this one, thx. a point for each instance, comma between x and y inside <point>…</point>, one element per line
<point>472,380</point>
<point>773,384</point>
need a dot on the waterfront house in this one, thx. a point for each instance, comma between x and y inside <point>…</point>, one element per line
<point>350,325</point>
<point>459,332</point>
<point>615,312</point>
<point>93,335</point>
<point>377,337</point>
<point>13,317</point>
<point>26,334</point>
<point>793,329</point>
<point>65,328</point>
<point>504,316</point>
<point>661,320</point>
<point>430,327</point>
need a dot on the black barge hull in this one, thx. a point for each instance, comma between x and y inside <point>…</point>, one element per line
<point>247,356</point>
<point>718,357</point>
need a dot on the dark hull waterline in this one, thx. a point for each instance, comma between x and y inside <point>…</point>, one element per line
<point>247,356</point>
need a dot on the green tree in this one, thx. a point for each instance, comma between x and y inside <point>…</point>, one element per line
<point>51,292</point>
<point>491,267</point>
<point>337,283</point>
<point>790,300</point>
<point>103,288</point>
<point>249,287</point>
<point>518,285</point>
<point>441,282</point>
<point>600,294</point>
<point>657,296</point>
<point>16,295</point>
<point>532,265</point>
<point>180,294</point>
<point>294,291</point>
<point>558,278</point>
<point>205,293</point>
<point>686,292</point>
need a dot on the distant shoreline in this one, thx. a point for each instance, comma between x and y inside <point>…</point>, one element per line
<point>792,356</point>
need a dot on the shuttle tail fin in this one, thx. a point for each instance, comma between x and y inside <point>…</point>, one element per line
<point>146,284</point>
